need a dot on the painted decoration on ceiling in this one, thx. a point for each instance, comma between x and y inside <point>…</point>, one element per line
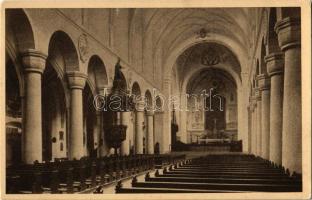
<point>210,57</point>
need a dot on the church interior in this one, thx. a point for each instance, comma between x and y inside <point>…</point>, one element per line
<point>211,100</point>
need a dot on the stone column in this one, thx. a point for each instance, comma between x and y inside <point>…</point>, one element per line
<point>150,132</point>
<point>275,67</point>
<point>97,132</point>
<point>125,120</point>
<point>183,120</point>
<point>249,127</point>
<point>252,130</point>
<point>139,121</point>
<point>259,127</point>
<point>289,37</point>
<point>104,149</point>
<point>76,83</point>
<point>264,87</point>
<point>34,65</point>
<point>165,144</point>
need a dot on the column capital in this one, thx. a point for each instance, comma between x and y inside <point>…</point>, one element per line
<point>76,79</point>
<point>150,113</point>
<point>263,82</point>
<point>289,33</point>
<point>140,106</point>
<point>275,63</point>
<point>33,61</point>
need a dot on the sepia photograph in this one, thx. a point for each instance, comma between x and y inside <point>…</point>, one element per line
<point>151,100</point>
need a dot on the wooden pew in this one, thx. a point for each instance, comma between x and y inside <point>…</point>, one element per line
<point>221,186</point>
<point>120,189</point>
<point>79,173</point>
<point>24,181</point>
<point>35,178</point>
<point>284,181</point>
<point>65,175</point>
<point>68,176</point>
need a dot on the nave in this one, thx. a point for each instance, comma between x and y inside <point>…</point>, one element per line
<point>233,85</point>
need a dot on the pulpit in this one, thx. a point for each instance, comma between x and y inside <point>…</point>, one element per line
<point>115,132</point>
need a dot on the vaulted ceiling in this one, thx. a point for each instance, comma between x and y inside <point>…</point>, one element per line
<point>167,33</point>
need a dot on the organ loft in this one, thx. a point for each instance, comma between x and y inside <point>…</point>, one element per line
<point>153,100</point>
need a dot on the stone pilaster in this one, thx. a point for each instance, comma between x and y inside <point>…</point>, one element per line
<point>76,83</point>
<point>34,65</point>
<point>289,38</point>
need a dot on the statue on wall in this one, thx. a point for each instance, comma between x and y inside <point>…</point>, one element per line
<point>118,74</point>
<point>119,82</point>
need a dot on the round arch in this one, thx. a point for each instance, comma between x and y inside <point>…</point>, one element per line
<point>224,68</point>
<point>63,51</point>
<point>225,41</point>
<point>97,72</point>
<point>136,90</point>
<point>19,30</point>
<point>148,99</point>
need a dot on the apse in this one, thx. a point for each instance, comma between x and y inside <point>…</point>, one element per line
<point>207,77</point>
<point>212,105</point>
